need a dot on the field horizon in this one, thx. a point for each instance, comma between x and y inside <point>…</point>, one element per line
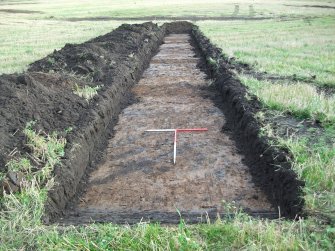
<point>81,80</point>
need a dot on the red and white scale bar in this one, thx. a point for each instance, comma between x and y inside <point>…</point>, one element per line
<point>175,136</point>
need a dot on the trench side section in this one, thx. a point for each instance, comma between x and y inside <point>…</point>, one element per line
<point>83,150</point>
<point>271,171</point>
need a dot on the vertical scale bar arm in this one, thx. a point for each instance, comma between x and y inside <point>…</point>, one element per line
<point>175,136</point>
<point>175,147</point>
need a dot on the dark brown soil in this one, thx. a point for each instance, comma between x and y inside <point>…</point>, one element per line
<point>45,93</point>
<point>159,216</point>
<point>287,126</point>
<point>37,96</point>
<point>116,61</point>
<point>15,11</point>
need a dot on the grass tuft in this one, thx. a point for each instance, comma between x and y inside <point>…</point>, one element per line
<point>86,92</point>
<point>315,164</point>
<point>21,213</point>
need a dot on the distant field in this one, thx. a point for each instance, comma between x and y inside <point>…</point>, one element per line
<point>30,30</point>
<point>304,47</point>
<point>290,47</point>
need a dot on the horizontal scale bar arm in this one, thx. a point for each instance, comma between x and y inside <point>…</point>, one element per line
<point>192,130</point>
<point>161,130</point>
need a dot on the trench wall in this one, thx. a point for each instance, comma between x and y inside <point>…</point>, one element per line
<point>84,148</point>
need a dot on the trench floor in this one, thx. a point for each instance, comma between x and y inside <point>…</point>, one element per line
<point>137,177</point>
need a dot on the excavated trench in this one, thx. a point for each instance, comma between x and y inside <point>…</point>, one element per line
<point>137,178</point>
<point>114,171</point>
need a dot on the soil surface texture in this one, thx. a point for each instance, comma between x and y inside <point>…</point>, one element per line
<point>137,178</point>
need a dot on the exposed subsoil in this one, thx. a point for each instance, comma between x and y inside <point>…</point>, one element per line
<point>288,126</point>
<point>137,174</point>
<point>137,179</point>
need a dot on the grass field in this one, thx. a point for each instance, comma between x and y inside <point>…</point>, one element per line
<point>294,43</point>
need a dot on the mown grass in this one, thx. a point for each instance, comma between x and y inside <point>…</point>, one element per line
<point>242,232</point>
<point>315,164</point>
<point>303,46</point>
<point>22,41</point>
<point>25,38</point>
<point>296,47</point>
<point>299,99</point>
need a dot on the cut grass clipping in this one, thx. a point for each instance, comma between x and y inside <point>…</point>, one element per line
<point>302,100</point>
<point>86,92</point>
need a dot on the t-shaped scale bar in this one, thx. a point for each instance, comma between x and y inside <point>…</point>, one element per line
<point>175,136</point>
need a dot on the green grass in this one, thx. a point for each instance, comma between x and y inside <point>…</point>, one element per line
<point>23,43</point>
<point>21,212</point>
<point>302,48</point>
<point>303,45</point>
<point>315,164</point>
<point>313,159</point>
<point>242,232</point>
<point>25,38</point>
<point>305,49</point>
<point>302,100</point>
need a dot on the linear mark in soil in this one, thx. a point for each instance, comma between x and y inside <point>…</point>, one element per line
<point>312,6</point>
<point>15,11</point>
